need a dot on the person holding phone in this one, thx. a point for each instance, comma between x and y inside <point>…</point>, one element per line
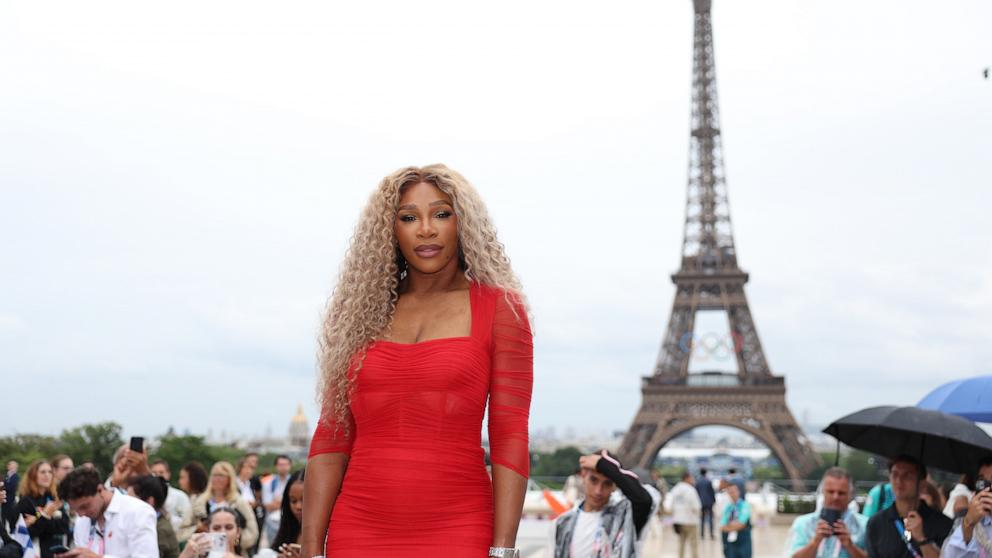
<point>109,523</point>
<point>223,493</point>
<point>129,461</point>
<point>972,538</point>
<point>41,508</point>
<point>833,531</point>
<point>222,538</point>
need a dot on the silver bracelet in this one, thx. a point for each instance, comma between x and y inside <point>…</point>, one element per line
<point>503,552</point>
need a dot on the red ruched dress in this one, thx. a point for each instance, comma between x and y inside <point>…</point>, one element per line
<point>416,483</point>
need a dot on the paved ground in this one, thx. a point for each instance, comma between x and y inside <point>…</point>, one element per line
<point>661,541</point>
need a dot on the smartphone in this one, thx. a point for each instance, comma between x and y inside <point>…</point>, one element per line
<point>982,484</point>
<point>138,444</point>
<point>218,545</point>
<point>59,549</point>
<point>830,516</point>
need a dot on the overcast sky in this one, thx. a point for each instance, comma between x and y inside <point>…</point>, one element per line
<point>179,181</point>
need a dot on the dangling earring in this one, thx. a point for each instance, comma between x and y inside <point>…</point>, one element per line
<point>402,266</point>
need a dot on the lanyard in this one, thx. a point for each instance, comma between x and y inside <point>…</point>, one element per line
<point>902,536</point>
<point>94,531</point>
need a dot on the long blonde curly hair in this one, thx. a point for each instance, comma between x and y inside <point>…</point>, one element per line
<point>360,310</point>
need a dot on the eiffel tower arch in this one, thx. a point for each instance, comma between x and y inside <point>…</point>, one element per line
<point>709,278</point>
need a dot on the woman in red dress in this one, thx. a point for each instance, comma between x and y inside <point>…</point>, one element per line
<point>427,325</point>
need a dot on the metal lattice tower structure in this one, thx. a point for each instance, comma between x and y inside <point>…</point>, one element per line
<point>709,278</point>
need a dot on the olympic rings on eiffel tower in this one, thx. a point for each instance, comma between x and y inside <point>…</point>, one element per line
<point>711,345</point>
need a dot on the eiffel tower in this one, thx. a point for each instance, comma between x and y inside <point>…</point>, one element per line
<point>674,400</point>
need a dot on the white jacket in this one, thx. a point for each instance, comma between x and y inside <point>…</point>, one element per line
<point>683,502</point>
<point>178,506</point>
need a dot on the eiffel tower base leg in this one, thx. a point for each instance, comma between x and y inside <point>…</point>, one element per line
<point>760,410</point>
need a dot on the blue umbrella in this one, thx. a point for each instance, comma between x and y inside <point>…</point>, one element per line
<point>970,398</point>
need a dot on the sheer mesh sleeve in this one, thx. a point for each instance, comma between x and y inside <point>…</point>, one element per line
<point>330,437</point>
<point>510,385</point>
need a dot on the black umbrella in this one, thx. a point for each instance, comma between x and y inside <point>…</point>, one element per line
<point>936,439</point>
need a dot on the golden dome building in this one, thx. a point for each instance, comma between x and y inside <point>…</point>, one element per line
<point>299,430</point>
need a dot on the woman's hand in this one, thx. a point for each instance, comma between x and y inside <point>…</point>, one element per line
<point>198,545</point>
<point>325,472</point>
<point>50,508</point>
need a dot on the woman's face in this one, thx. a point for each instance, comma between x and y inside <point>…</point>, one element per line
<point>44,475</point>
<point>296,500</point>
<point>184,480</point>
<point>426,229</point>
<point>219,481</point>
<point>224,522</point>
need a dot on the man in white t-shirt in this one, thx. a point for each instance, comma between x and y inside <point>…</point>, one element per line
<point>110,524</point>
<point>596,527</point>
<point>177,503</point>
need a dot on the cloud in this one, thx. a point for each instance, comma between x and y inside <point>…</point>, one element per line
<point>182,190</point>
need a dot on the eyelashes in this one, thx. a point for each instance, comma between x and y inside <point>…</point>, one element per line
<point>409,217</point>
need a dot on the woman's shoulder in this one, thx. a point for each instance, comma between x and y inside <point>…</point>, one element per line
<point>495,292</point>
<point>503,307</point>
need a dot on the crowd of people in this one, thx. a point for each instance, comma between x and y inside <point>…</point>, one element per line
<point>63,511</point>
<point>908,516</point>
<point>59,510</point>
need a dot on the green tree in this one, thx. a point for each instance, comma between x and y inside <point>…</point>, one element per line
<point>563,462</point>
<point>180,450</point>
<point>27,448</point>
<point>863,466</point>
<point>92,442</point>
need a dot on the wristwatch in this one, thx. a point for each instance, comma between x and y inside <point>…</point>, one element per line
<point>503,552</point>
